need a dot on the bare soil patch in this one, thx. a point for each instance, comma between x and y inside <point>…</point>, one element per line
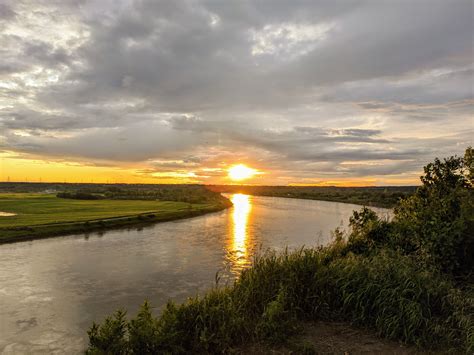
<point>333,338</point>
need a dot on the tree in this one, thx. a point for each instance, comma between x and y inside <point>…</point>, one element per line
<point>439,217</point>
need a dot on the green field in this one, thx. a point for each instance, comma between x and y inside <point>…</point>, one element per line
<point>44,215</point>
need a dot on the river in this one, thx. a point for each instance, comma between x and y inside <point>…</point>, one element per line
<point>51,290</point>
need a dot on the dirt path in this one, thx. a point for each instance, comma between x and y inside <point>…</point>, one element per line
<point>334,338</point>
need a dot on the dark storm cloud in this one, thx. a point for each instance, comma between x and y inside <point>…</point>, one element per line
<point>299,82</point>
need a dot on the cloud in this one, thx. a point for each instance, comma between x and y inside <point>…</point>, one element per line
<point>287,39</point>
<point>305,88</point>
<point>6,12</point>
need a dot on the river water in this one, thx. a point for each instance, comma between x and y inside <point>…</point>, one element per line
<point>51,290</point>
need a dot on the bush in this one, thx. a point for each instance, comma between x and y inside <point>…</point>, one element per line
<point>386,292</point>
<point>439,217</point>
<point>436,224</point>
<point>110,337</point>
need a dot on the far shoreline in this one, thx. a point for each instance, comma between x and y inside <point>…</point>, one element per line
<point>361,204</point>
<point>51,230</point>
<point>46,231</point>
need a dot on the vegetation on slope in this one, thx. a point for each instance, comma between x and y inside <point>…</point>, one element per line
<point>391,277</point>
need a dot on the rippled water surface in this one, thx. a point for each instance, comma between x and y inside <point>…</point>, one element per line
<point>51,290</point>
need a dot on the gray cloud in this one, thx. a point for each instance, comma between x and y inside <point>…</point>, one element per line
<point>6,13</point>
<point>307,88</point>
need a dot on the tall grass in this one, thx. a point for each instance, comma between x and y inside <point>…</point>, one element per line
<point>386,292</point>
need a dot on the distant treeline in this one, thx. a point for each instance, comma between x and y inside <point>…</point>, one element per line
<point>80,196</point>
<point>386,196</point>
<point>168,192</point>
<point>181,193</point>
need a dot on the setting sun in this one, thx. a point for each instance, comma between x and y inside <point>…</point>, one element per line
<point>241,172</point>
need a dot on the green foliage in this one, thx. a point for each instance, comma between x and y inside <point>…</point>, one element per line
<point>277,320</point>
<point>143,331</point>
<point>395,278</point>
<point>367,231</point>
<point>386,292</point>
<point>360,220</point>
<point>109,338</point>
<point>206,324</point>
<point>439,217</point>
<point>436,224</point>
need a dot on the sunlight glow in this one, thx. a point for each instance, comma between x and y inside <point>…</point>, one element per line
<point>240,217</point>
<point>241,172</point>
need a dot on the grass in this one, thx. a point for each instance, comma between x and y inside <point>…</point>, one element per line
<point>43,215</point>
<point>385,293</point>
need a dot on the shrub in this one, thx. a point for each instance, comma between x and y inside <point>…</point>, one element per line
<point>386,292</point>
<point>439,217</point>
<point>436,224</point>
<point>110,337</point>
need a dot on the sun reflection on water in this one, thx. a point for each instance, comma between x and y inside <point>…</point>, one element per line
<point>240,217</point>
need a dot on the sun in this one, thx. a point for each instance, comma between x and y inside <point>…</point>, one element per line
<point>241,172</point>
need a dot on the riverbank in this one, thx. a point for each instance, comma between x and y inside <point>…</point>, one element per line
<point>34,216</point>
<point>408,280</point>
<point>385,197</point>
<point>388,294</point>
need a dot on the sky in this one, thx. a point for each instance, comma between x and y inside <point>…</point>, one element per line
<point>305,92</point>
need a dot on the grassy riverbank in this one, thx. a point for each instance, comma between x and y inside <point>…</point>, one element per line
<point>38,215</point>
<point>409,279</point>
<point>386,293</point>
<point>387,196</point>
